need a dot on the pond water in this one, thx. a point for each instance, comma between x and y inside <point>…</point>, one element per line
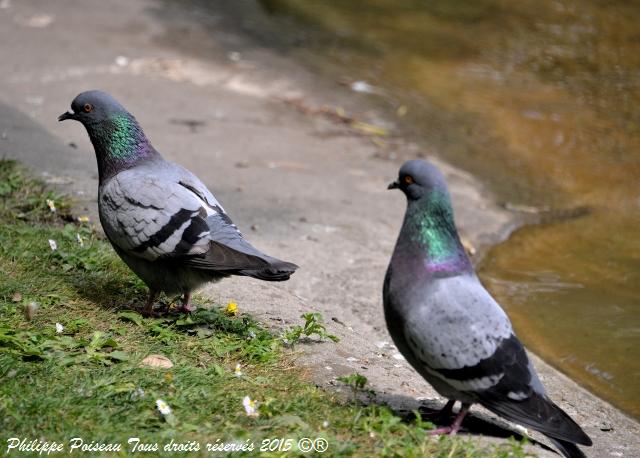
<point>539,99</point>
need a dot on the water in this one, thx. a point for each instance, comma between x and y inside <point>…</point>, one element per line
<point>540,100</point>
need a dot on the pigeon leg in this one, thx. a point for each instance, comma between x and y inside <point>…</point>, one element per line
<point>455,426</point>
<point>186,307</point>
<point>441,414</point>
<point>148,307</point>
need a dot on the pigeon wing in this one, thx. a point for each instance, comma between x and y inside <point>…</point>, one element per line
<point>463,337</point>
<point>454,329</point>
<point>154,218</point>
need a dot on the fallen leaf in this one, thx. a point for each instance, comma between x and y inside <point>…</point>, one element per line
<point>17,297</point>
<point>132,316</point>
<point>158,361</point>
<point>369,128</point>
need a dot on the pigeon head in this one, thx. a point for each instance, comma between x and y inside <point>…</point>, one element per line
<point>419,178</point>
<point>117,138</point>
<point>94,107</point>
<point>429,228</point>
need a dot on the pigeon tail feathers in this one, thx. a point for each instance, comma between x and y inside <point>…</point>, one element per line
<point>537,412</point>
<point>277,271</point>
<point>232,261</point>
<point>568,449</point>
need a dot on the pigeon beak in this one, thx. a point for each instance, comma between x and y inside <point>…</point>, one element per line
<point>67,115</point>
<point>394,185</point>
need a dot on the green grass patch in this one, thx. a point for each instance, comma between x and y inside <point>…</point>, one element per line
<point>71,352</point>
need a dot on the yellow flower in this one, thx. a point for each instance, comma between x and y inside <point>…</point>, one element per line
<point>52,205</point>
<point>232,308</point>
<point>83,219</point>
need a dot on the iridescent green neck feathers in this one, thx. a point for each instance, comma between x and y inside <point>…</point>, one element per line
<point>430,229</point>
<point>119,143</point>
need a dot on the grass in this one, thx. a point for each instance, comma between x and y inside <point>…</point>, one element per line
<point>85,380</point>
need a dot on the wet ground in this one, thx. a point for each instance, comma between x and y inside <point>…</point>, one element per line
<point>540,100</point>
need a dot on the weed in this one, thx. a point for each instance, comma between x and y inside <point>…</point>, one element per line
<point>312,326</point>
<point>356,381</point>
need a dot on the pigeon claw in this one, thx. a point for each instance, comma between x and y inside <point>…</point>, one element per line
<point>187,308</point>
<point>150,314</point>
<point>448,430</point>
<point>455,426</point>
<point>436,416</point>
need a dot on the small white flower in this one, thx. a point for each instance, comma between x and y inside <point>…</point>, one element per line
<point>163,407</point>
<point>237,371</point>
<point>59,328</point>
<point>79,239</point>
<point>53,245</point>
<point>250,407</point>
<point>52,205</point>
<point>325,424</point>
<point>138,393</point>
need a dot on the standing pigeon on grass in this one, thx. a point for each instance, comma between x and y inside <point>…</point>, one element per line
<point>449,327</point>
<point>159,217</point>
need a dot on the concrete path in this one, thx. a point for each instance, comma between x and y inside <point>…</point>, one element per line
<point>301,186</point>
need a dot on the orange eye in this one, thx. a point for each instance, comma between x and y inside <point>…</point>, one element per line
<point>87,107</point>
<point>408,179</point>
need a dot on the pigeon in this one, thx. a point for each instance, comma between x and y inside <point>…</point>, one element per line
<point>450,329</point>
<point>161,220</point>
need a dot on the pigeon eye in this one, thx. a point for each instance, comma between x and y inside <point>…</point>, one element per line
<point>87,107</point>
<point>408,179</point>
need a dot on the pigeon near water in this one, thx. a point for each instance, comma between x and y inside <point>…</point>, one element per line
<point>448,326</point>
<point>162,221</point>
